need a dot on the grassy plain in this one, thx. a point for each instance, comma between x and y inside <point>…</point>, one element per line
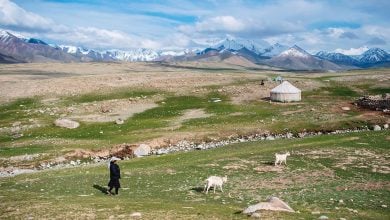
<point>32,96</point>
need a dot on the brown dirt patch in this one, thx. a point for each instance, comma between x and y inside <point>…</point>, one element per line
<point>71,79</point>
<point>110,110</point>
<point>264,169</point>
<point>286,179</point>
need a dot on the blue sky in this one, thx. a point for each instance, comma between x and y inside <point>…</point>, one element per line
<point>335,25</point>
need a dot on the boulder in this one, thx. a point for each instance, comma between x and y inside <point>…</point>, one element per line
<point>119,121</point>
<point>272,204</point>
<point>66,123</point>
<point>377,128</point>
<point>142,150</point>
<point>386,126</point>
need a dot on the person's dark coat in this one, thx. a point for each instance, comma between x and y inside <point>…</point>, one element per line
<point>115,175</point>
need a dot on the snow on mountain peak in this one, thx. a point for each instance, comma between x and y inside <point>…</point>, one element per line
<point>374,55</point>
<point>231,43</point>
<point>295,51</point>
<point>274,50</point>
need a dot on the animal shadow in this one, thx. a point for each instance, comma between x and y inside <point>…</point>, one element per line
<point>100,188</point>
<point>198,189</point>
<point>269,163</point>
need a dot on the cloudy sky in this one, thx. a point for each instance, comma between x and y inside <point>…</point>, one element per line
<point>334,25</point>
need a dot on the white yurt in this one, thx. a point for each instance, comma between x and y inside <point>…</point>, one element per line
<point>285,92</point>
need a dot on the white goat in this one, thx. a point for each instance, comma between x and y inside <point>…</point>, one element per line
<point>214,181</point>
<point>280,158</point>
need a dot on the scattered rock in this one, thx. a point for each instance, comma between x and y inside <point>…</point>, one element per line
<point>136,215</point>
<point>119,121</point>
<point>323,217</point>
<point>256,215</point>
<point>105,109</point>
<point>377,128</point>
<point>273,204</point>
<point>17,123</point>
<point>162,151</point>
<point>66,123</point>
<point>345,108</point>
<point>142,150</point>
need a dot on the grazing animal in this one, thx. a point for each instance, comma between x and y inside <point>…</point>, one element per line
<point>280,158</point>
<point>214,181</point>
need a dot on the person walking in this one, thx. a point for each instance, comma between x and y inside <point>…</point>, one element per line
<point>115,175</point>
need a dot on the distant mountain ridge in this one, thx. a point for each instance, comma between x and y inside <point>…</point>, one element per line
<point>16,49</point>
<point>370,58</point>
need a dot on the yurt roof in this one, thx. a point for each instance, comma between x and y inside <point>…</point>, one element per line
<point>285,87</point>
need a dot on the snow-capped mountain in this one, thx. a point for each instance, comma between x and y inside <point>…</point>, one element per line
<point>337,58</point>
<point>18,50</point>
<point>374,55</point>
<point>73,49</point>
<point>274,50</point>
<point>141,54</point>
<point>295,58</point>
<point>237,44</point>
<point>295,51</point>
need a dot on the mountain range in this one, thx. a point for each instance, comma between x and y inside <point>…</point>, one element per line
<point>19,49</point>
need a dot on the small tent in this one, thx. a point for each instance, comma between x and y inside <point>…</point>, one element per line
<point>285,92</point>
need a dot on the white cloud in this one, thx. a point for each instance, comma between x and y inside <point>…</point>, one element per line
<point>352,51</point>
<point>220,23</point>
<point>12,15</point>
<point>99,38</point>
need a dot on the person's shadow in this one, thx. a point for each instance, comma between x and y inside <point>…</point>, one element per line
<point>100,188</point>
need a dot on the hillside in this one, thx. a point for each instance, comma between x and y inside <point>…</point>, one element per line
<point>318,180</point>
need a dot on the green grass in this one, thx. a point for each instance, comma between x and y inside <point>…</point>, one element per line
<point>17,110</point>
<point>169,186</point>
<point>379,90</point>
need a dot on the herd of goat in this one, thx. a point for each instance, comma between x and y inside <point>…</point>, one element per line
<point>216,181</point>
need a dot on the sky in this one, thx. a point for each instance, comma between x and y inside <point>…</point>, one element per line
<point>345,26</point>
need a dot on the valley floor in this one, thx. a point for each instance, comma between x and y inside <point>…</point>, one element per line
<point>161,105</point>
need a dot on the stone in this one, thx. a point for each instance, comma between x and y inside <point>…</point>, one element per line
<point>256,215</point>
<point>323,217</point>
<point>384,206</point>
<point>341,201</point>
<point>377,128</point>
<point>273,204</point>
<point>119,121</point>
<point>17,123</point>
<point>136,215</point>
<point>342,219</point>
<point>105,109</point>
<point>315,213</point>
<point>66,123</point>
<point>270,138</point>
<point>345,108</point>
<point>386,126</point>
<point>142,150</point>
<point>162,151</point>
